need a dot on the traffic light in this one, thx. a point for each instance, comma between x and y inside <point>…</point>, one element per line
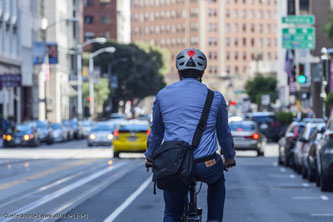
<point>89,99</point>
<point>232,103</point>
<point>301,77</point>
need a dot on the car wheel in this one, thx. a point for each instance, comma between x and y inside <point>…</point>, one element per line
<point>304,172</point>
<point>325,185</point>
<point>317,176</point>
<point>280,161</point>
<point>115,154</point>
<point>89,144</point>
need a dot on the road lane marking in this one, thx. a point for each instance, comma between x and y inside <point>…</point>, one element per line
<point>324,197</point>
<point>63,190</point>
<point>42,174</point>
<point>129,200</point>
<point>306,198</point>
<point>48,186</point>
<point>321,215</point>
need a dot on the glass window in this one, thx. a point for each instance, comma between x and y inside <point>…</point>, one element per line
<point>236,27</point>
<point>227,27</point>
<point>242,126</point>
<point>252,28</point>
<point>260,13</point>
<point>268,28</point>
<point>236,41</point>
<point>252,42</point>
<point>261,27</point>
<point>104,2</point>
<point>88,2</point>
<point>227,41</point>
<point>236,55</point>
<point>244,13</point>
<point>88,19</point>
<point>235,13</point>
<point>227,56</point>
<point>268,14</point>
<point>244,55</point>
<point>227,13</point>
<point>244,41</point>
<point>105,19</point>
<point>268,42</point>
<point>260,42</point>
<point>244,27</point>
<point>252,14</point>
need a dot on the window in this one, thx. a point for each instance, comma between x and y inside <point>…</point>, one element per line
<point>236,69</point>
<point>261,27</point>
<point>105,19</point>
<point>252,28</point>
<point>244,1</point>
<point>252,2</point>
<point>227,69</point>
<point>244,27</point>
<point>236,55</point>
<point>244,41</point>
<point>236,27</point>
<point>244,69</point>
<point>244,56</point>
<point>244,13</point>
<point>235,13</point>
<point>268,42</point>
<point>260,13</point>
<point>227,41</point>
<point>88,2</point>
<point>227,27</point>
<point>251,14</point>
<point>252,42</point>
<point>268,14</point>
<point>260,42</point>
<point>236,41</point>
<point>88,19</point>
<point>104,2</point>
<point>227,13</point>
<point>227,56</point>
<point>268,28</point>
<point>269,56</point>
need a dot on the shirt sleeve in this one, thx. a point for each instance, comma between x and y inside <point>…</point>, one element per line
<point>157,130</point>
<point>223,131</point>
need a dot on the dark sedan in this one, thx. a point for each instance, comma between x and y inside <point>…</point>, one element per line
<point>44,131</point>
<point>21,135</point>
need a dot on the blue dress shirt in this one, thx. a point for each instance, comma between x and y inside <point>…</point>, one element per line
<point>176,113</point>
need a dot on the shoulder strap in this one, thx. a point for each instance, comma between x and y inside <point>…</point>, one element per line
<point>203,120</point>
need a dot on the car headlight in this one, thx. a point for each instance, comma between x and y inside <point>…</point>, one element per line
<point>92,136</point>
<point>110,136</point>
<point>26,137</point>
<point>328,151</point>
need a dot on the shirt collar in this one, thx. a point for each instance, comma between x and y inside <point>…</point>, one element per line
<point>190,79</point>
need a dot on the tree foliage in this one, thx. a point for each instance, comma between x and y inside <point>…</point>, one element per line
<point>328,27</point>
<point>101,93</point>
<point>139,71</point>
<point>261,85</point>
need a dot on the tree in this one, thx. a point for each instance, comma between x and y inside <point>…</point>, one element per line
<point>261,85</point>
<point>328,28</point>
<point>101,94</point>
<point>141,74</point>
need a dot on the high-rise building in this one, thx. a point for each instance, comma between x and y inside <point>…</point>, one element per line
<point>108,18</point>
<point>10,61</point>
<point>238,36</point>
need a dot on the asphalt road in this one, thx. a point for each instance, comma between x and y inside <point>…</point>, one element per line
<point>69,179</point>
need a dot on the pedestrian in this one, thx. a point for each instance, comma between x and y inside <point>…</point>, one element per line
<point>176,112</point>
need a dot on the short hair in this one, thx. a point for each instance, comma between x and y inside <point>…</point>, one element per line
<point>190,73</point>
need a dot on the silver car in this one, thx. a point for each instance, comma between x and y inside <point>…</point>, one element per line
<point>247,136</point>
<point>101,134</point>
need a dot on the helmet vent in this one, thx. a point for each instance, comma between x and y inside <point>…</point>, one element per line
<point>180,57</point>
<point>200,64</point>
<point>182,63</point>
<point>200,57</point>
<point>190,63</point>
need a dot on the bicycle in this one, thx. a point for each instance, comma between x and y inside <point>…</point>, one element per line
<point>191,211</point>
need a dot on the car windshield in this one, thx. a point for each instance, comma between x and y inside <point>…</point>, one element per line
<point>56,126</point>
<point>133,127</point>
<point>103,128</point>
<point>242,126</point>
<point>22,128</point>
<point>263,119</point>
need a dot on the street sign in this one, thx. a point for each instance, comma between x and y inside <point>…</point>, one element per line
<point>298,38</point>
<point>265,99</point>
<point>301,19</point>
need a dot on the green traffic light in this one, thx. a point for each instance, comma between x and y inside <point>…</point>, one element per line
<point>301,79</point>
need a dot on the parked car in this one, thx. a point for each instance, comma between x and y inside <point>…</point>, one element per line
<point>86,127</point>
<point>69,130</point>
<point>21,135</point>
<point>59,133</point>
<point>310,159</point>
<point>302,144</point>
<point>267,123</point>
<point>325,158</point>
<point>288,141</point>
<point>44,131</point>
<point>131,136</point>
<point>101,134</point>
<point>247,136</point>
<point>77,128</point>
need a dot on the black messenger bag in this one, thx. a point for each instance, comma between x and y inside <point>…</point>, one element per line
<point>173,160</point>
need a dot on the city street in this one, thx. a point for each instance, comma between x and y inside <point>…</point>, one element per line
<point>69,179</point>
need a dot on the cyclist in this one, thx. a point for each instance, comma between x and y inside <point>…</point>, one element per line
<point>176,113</point>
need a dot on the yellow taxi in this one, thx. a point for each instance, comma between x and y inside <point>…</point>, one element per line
<point>131,136</point>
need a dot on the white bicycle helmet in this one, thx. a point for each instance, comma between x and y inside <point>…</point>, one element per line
<point>192,59</point>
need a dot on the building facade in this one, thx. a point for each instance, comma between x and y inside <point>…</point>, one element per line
<point>100,19</point>
<point>54,86</point>
<point>10,61</point>
<point>233,34</point>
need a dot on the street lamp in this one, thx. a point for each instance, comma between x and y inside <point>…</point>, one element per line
<point>100,40</point>
<point>91,77</point>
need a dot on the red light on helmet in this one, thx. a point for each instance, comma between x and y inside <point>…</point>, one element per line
<point>190,53</point>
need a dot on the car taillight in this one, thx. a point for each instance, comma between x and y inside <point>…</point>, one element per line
<point>255,136</point>
<point>31,136</point>
<point>116,133</point>
<point>331,167</point>
<point>276,124</point>
<point>330,135</point>
<point>148,132</point>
